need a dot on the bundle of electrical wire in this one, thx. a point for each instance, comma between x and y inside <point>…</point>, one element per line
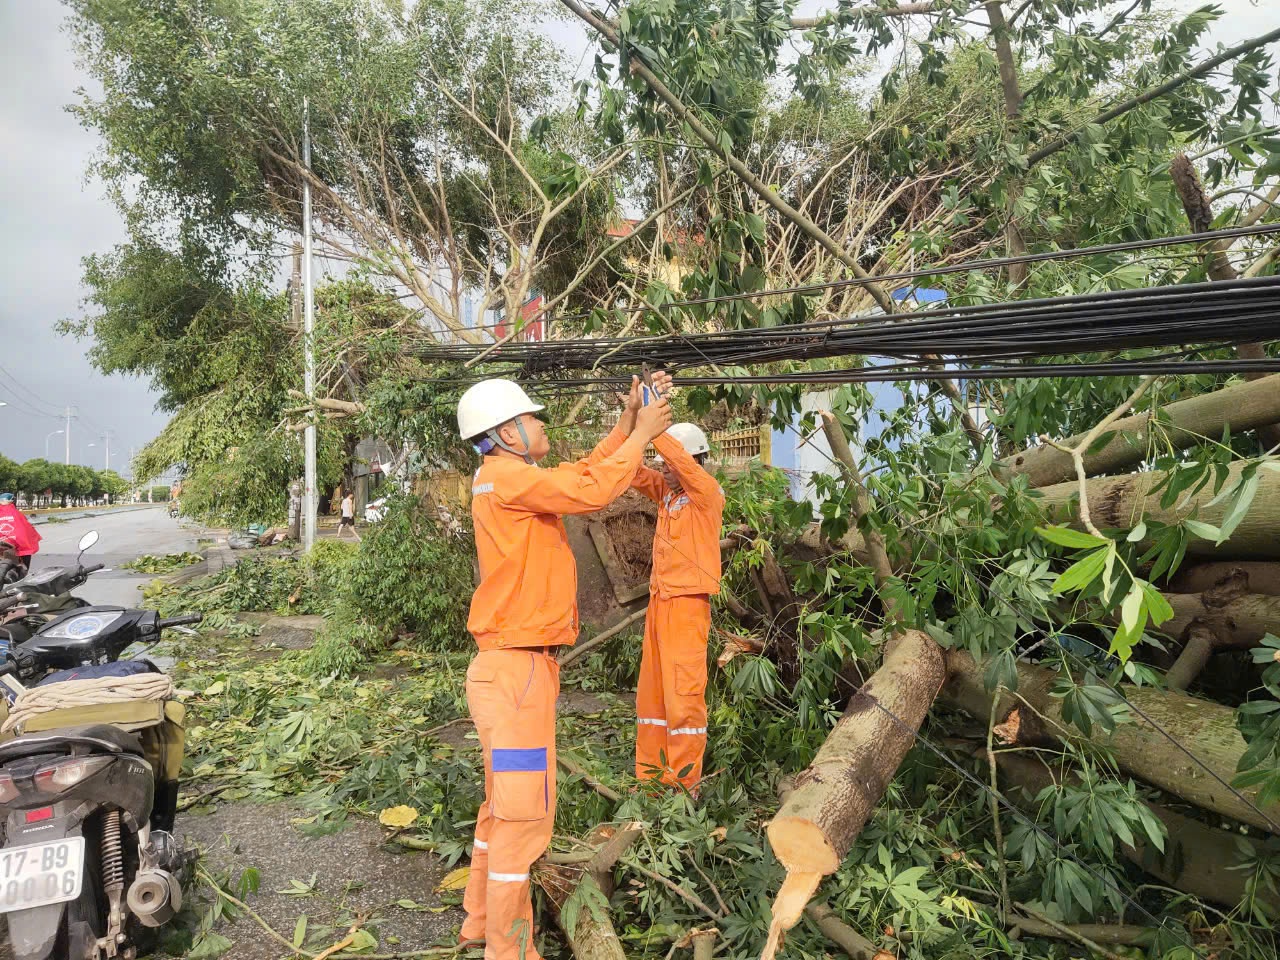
<point>984,341</point>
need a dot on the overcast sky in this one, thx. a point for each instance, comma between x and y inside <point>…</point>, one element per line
<point>51,217</point>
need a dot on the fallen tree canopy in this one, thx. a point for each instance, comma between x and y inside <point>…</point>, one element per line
<point>1203,754</point>
<point>1197,858</point>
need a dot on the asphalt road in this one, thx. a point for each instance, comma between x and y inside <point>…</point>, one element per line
<point>122,537</point>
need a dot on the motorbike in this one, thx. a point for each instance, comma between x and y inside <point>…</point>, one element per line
<point>48,594</point>
<point>12,569</point>
<point>89,866</point>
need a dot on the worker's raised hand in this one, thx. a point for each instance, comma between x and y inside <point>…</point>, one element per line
<point>633,401</point>
<point>653,420</point>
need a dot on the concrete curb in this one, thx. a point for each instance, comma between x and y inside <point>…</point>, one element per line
<point>91,512</point>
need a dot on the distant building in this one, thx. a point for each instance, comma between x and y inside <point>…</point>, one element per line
<point>803,453</point>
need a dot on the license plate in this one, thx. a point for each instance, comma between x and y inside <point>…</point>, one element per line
<point>41,873</point>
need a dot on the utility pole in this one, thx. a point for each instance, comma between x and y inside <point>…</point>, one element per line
<point>309,499</point>
<point>67,439</point>
<point>106,440</point>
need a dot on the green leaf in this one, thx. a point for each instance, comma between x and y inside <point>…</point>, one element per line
<point>300,931</point>
<point>362,940</point>
<point>1066,537</point>
<point>209,947</point>
<point>1239,506</point>
<point>1082,572</point>
<point>1205,531</point>
<point>1133,617</point>
<point>1138,532</point>
<point>1158,608</point>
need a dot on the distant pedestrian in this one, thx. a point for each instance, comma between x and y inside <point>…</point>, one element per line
<point>348,517</point>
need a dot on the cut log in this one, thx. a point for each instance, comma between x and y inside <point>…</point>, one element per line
<point>1118,503</point>
<point>832,799</point>
<point>812,545</point>
<point>1207,730</point>
<point>1242,406</point>
<point>1197,859</point>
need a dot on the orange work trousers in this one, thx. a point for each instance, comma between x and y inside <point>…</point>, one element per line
<point>512,697</point>
<point>671,699</point>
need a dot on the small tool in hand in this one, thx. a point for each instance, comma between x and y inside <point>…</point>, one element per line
<point>648,389</point>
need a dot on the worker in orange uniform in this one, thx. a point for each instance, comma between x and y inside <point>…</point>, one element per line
<point>523,610</point>
<point>671,700</point>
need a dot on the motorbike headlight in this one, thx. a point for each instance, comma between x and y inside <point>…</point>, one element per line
<point>56,777</point>
<point>83,627</point>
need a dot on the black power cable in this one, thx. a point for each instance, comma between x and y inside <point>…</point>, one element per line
<point>1242,311</point>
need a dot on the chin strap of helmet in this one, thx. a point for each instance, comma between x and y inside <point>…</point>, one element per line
<point>492,439</point>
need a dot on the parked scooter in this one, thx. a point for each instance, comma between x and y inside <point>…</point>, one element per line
<point>48,594</point>
<point>89,862</point>
<point>12,569</point>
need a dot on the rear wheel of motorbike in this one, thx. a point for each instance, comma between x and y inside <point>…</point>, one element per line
<point>83,922</point>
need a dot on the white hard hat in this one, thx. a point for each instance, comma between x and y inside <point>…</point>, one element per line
<point>489,404</point>
<point>691,438</point>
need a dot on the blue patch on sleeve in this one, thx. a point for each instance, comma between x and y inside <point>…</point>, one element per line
<point>530,760</point>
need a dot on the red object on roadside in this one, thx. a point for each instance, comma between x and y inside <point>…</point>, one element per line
<point>17,529</point>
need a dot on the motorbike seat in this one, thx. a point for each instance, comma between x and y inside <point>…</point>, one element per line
<point>98,737</point>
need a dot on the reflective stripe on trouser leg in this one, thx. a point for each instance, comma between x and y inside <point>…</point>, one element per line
<point>651,723</point>
<point>474,900</point>
<point>515,720</point>
<point>683,624</point>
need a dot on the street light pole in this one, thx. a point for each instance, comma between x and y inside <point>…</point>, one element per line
<point>46,442</point>
<point>309,493</point>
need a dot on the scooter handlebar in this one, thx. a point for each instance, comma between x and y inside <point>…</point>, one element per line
<point>179,621</point>
<point>94,568</point>
<point>11,600</point>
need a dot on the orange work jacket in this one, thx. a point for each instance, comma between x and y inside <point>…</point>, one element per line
<point>686,544</point>
<point>528,593</point>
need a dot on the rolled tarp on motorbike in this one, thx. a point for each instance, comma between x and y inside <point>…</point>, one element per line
<point>106,693</point>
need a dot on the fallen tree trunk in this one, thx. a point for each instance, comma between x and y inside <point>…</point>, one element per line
<point>588,927</point>
<point>1242,406</point>
<point>1197,858</point>
<point>1224,617</point>
<point>1207,730</point>
<point>1118,503</point>
<point>1263,577</point>
<point>832,799</point>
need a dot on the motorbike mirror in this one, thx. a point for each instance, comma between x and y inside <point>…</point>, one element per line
<point>88,540</point>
